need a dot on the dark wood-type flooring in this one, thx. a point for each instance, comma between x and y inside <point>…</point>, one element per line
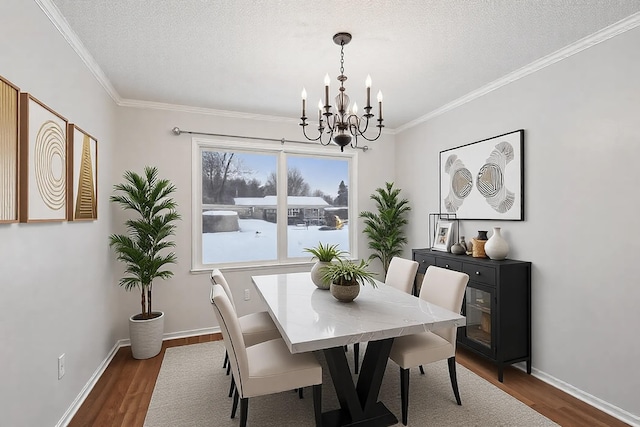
<point>121,396</point>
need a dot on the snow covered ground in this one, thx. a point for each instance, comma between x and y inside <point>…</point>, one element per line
<point>256,240</point>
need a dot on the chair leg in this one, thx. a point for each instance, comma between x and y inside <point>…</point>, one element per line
<point>404,394</point>
<point>235,404</point>
<point>454,378</point>
<point>356,356</point>
<point>232,386</point>
<point>301,393</point>
<point>317,404</point>
<point>226,359</point>
<point>421,370</point>
<point>244,407</point>
<point>228,368</point>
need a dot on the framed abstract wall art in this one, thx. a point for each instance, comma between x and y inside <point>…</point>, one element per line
<point>43,162</point>
<point>9,140</point>
<point>484,180</point>
<point>83,175</point>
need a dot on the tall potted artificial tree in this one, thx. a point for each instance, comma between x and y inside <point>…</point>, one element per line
<point>142,250</point>
<point>385,228</point>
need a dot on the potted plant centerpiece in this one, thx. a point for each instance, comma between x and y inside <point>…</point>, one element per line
<point>385,228</point>
<point>324,254</point>
<point>142,250</point>
<point>346,277</point>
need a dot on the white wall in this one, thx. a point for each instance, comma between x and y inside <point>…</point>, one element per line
<point>144,138</point>
<point>55,280</point>
<point>582,146</point>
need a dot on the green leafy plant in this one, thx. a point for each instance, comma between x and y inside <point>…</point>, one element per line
<point>147,234</point>
<point>346,273</point>
<point>385,228</point>
<point>325,253</point>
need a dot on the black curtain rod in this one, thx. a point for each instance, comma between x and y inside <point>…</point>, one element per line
<point>177,131</point>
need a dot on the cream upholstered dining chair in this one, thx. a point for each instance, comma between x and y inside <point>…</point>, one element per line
<point>444,288</point>
<point>256,327</point>
<point>264,368</point>
<point>401,275</point>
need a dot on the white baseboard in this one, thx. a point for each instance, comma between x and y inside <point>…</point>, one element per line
<point>614,411</point>
<point>79,400</point>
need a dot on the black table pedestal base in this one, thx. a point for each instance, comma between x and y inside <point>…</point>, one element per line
<point>359,405</point>
<point>379,416</point>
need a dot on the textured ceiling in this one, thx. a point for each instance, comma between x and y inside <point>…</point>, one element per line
<point>254,56</point>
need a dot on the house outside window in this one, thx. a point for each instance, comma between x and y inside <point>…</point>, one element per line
<point>255,205</point>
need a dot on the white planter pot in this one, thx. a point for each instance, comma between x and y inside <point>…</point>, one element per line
<point>316,275</point>
<point>146,336</point>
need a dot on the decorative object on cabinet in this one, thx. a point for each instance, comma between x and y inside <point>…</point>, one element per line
<point>346,277</point>
<point>142,250</point>
<point>496,247</point>
<point>43,162</point>
<point>83,175</point>
<point>385,227</point>
<point>443,237</point>
<point>435,219</point>
<point>496,167</point>
<point>478,245</point>
<point>458,249</point>
<point>324,254</point>
<point>497,305</point>
<point>9,140</point>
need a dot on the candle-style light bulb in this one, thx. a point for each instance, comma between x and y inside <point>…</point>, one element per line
<point>367,83</point>
<point>354,109</point>
<point>304,101</point>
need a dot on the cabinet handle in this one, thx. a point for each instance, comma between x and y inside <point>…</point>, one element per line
<point>477,273</point>
<point>446,265</point>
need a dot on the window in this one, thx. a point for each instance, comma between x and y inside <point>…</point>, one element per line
<point>259,206</point>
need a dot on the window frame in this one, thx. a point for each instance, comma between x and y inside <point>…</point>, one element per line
<point>281,151</point>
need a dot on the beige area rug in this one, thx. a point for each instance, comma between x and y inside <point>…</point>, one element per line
<point>192,388</point>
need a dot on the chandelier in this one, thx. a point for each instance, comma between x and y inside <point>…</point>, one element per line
<point>342,124</point>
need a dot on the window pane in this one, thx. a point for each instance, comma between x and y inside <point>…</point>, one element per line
<point>317,203</point>
<point>239,207</point>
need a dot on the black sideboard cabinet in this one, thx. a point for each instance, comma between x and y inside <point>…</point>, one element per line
<point>497,305</point>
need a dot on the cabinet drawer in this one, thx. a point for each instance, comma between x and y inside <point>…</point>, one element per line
<point>450,264</point>
<point>480,273</point>
<point>424,261</point>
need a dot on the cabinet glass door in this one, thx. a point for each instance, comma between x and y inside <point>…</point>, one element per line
<point>478,313</point>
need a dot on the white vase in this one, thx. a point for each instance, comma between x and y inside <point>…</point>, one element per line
<point>496,247</point>
<point>316,275</point>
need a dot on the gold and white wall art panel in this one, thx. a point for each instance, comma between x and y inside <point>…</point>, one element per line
<point>9,138</point>
<point>83,158</point>
<point>43,160</point>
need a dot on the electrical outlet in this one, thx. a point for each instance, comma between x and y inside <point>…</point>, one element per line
<point>247,295</point>
<point>61,364</point>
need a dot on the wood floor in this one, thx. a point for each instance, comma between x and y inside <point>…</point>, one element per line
<point>122,395</point>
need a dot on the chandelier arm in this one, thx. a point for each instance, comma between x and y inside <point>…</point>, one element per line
<point>330,133</point>
<point>304,132</point>
<point>372,139</point>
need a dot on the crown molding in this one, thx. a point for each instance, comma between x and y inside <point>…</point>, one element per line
<point>133,103</point>
<point>611,31</point>
<point>54,15</point>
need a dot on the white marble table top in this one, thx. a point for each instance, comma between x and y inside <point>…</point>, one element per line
<point>312,319</point>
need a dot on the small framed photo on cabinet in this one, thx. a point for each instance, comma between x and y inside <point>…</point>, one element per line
<point>443,236</point>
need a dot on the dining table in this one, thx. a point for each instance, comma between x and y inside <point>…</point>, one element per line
<point>311,319</point>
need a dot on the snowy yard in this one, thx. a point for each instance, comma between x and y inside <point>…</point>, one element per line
<point>256,240</point>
